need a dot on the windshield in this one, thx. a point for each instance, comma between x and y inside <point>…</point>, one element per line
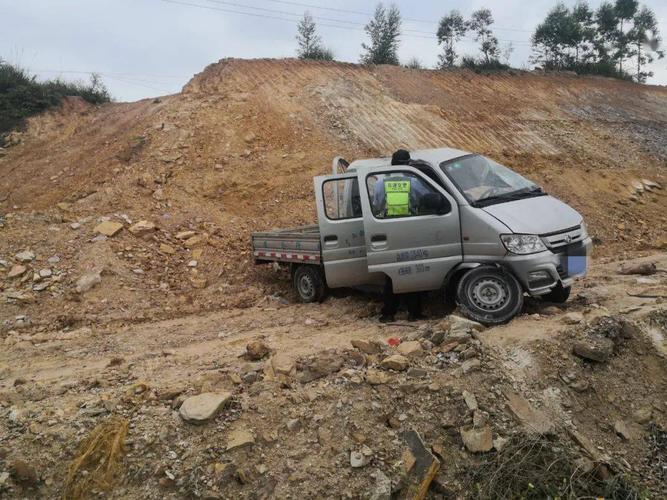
<point>483,181</point>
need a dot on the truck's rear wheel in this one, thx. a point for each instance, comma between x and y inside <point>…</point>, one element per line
<point>309,284</point>
<point>489,295</point>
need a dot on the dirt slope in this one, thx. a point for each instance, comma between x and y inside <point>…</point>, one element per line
<point>237,149</point>
<point>171,309</point>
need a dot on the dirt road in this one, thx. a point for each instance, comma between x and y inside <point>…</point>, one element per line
<point>57,384</point>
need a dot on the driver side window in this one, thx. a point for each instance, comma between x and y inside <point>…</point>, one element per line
<point>403,194</point>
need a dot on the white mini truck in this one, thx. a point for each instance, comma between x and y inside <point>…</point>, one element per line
<point>449,220</point>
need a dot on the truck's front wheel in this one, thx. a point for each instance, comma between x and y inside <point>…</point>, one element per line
<point>489,295</point>
<point>309,284</point>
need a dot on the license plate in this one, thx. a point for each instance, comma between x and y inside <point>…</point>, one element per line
<point>575,260</point>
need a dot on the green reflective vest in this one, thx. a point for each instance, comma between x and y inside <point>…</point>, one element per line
<point>397,195</point>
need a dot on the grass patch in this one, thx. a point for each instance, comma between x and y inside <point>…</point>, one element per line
<point>538,468</point>
<point>22,96</point>
<point>97,463</point>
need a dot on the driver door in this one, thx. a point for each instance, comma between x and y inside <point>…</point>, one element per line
<point>416,247</point>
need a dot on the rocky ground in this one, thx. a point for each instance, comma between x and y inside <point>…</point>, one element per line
<point>144,355</point>
<point>298,401</point>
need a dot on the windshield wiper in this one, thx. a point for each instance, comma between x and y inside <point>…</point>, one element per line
<point>512,196</point>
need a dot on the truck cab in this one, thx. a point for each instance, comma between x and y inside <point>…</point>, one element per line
<point>449,219</point>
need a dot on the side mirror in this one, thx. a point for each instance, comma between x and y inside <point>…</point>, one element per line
<point>434,203</point>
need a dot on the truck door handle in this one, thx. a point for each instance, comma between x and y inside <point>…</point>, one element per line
<point>378,241</point>
<point>331,240</point>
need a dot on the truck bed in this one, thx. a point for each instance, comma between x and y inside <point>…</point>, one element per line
<point>300,244</point>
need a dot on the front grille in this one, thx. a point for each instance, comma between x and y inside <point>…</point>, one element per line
<point>560,239</point>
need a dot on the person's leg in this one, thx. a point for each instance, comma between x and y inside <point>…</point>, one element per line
<point>414,306</point>
<point>390,303</point>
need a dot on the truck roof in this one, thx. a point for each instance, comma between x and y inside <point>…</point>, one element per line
<point>432,156</point>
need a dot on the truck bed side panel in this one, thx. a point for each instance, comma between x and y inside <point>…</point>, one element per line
<point>300,244</point>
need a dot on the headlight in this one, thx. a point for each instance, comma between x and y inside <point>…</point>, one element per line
<point>523,244</point>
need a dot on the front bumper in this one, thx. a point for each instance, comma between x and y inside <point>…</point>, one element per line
<point>539,273</point>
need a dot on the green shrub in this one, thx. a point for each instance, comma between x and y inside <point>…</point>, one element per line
<point>479,65</point>
<point>22,96</point>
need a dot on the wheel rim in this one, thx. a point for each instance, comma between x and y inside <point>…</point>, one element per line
<point>306,287</point>
<point>488,293</point>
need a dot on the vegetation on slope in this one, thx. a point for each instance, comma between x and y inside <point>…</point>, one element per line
<point>22,96</point>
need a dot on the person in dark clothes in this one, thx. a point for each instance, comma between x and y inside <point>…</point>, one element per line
<point>392,300</point>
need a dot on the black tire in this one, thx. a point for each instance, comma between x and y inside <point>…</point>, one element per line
<point>309,284</point>
<point>558,295</point>
<point>489,295</point>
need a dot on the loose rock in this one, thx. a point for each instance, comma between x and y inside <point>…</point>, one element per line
<point>108,228</point>
<point>622,430</point>
<point>203,407</point>
<point>534,420</point>
<point>23,472</point>
<point>470,400</point>
<point>257,350</point>
<point>239,438</point>
<point>477,440</point>
<point>382,490</point>
<point>411,348</point>
<point>377,377</point>
<point>283,364</point>
<point>16,271</point>
<point>598,350</point>
<point>88,281</point>
<point>367,346</point>
<point>358,459</point>
<point>573,318</point>
<point>420,465</point>
<point>25,256</point>
<point>396,362</point>
<point>142,227</point>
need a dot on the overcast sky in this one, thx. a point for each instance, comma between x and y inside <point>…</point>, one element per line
<point>145,48</point>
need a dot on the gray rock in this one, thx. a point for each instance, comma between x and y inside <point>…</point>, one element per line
<point>88,281</point>
<point>499,443</point>
<point>599,349</point>
<point>470,365</point>
<point>573,318</point>
<point>643,415</point>
<point>471,400</point>
<point>382,489</point>
<point>622,430</point>
<point>367,346</point>
<point>358,459</point>
<point>203,407</point>
<point>477,440</point>
<point>294,425</point>
<point>417,372</point>
<point>25,256</point>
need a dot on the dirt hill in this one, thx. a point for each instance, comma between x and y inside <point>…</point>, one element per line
<point>96,325</point>
<point>237,149</point>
